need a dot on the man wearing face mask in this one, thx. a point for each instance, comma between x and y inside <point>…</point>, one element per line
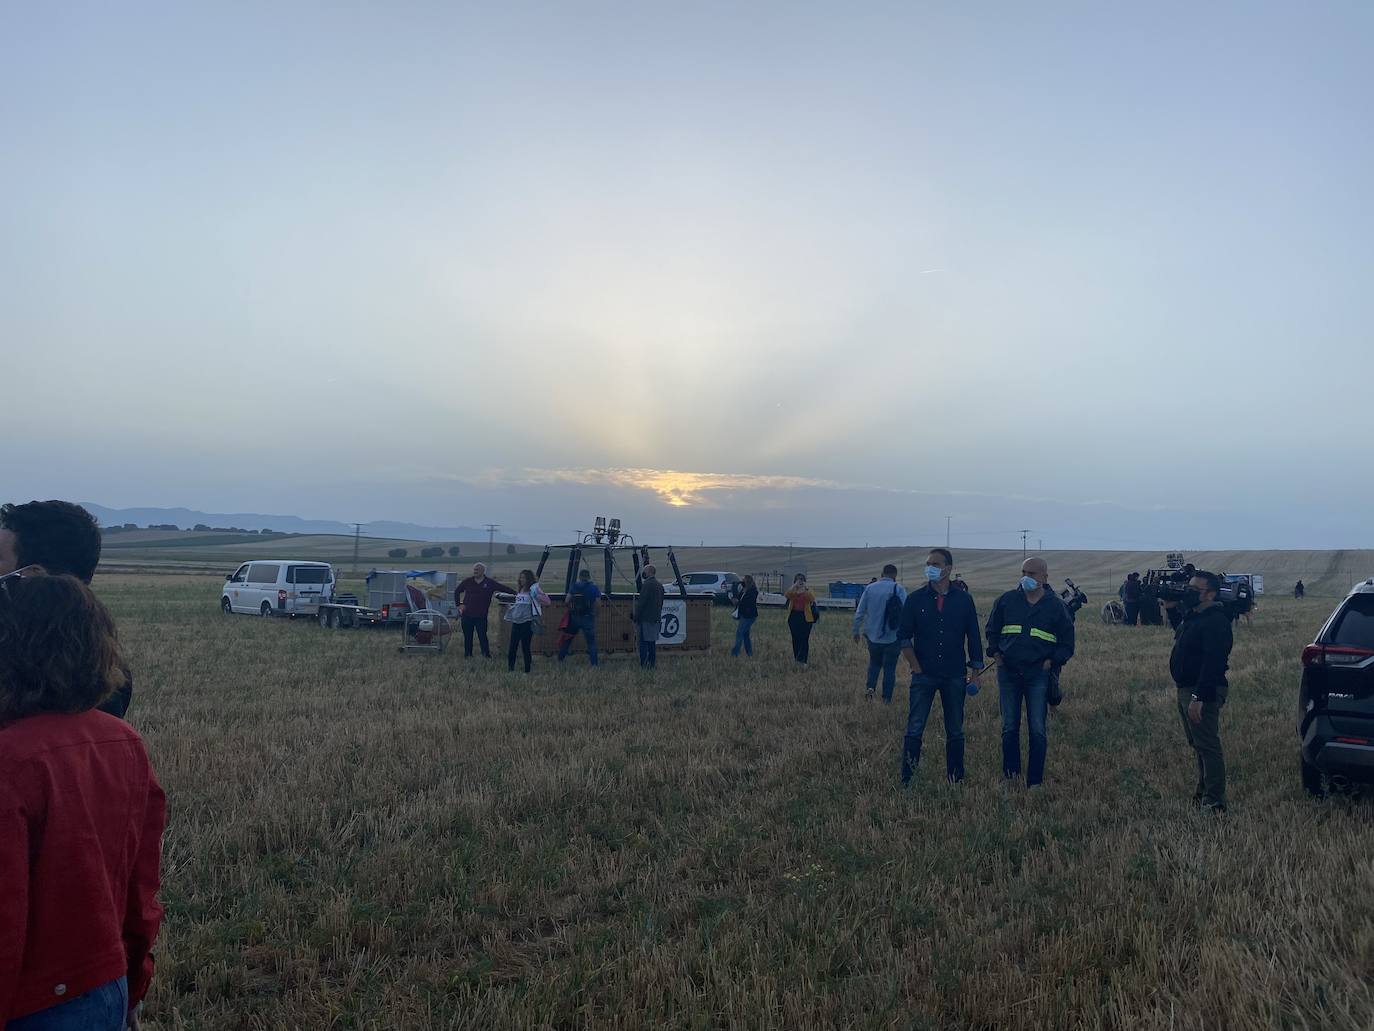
<point>1030,634</point>
<point>939,637</point>
<point>1202,650</point>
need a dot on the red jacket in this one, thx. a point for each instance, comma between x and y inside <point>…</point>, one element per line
<point>81,819</point>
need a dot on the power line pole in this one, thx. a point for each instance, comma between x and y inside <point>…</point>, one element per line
<point>947,522</point>
<point>357,533</point>
<point>491,540</point>
<point>789,550</point>
<point>1024,535</point>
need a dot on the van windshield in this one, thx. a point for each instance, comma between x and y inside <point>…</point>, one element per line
<point>309,575</point>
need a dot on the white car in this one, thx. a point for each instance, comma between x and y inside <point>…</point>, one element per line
<point>711,584</point>
<point>278,587</point>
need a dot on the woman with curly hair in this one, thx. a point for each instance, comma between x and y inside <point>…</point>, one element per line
<point>81,818</point>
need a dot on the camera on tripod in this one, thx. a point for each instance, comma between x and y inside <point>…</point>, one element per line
<point>1073,598</point>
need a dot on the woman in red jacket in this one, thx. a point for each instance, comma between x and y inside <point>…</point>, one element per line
<point>81,818</point>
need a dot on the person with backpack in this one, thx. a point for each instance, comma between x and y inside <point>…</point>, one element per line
<point>801,617</point>
<point>582,600</point>
<point>878,616</point>
<point>746,613</point>
<point>940,639</point>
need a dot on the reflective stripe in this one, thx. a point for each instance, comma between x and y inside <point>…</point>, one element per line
<point>1044,635</point>
<point>1011,628</point>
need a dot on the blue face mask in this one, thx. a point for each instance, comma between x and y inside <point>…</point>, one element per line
<point>933,573</point>
<point>1029,583</point>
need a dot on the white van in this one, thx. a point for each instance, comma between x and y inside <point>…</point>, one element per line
<point>278,587</point>
<point>713,585</point>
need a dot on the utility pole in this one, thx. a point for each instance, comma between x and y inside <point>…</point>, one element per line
<point>947,521</point>
<point>789,550</point>
<point>357,533</point>
<point>1024,535</point>
<point>491,540</point>
<point>1040,544</point>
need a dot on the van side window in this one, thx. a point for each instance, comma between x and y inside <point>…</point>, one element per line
<point>263,573</point>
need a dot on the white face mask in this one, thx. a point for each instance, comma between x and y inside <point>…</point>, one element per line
<point>934,573</point>
<point>1029,583</point>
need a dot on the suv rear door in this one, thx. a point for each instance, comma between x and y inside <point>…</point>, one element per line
<point>1340,666</point>
<point>307,586</point>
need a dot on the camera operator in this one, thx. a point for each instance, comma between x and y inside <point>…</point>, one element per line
<point>56,537</point>
<point>1202,647</point>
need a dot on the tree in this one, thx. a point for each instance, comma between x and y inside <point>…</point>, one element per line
<point>510,549</point>
<point>396,553</point>
<point>431,552</point>
<point>200,527</point>
<point>454,551</point>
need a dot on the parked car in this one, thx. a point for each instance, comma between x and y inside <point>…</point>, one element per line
<point>715,584</point>
<point>1336,699</point>
<point>278,587</point>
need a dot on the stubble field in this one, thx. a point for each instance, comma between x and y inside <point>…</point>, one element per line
<point>359,838</point>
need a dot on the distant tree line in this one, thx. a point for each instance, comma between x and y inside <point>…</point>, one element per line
<point>198,528</point>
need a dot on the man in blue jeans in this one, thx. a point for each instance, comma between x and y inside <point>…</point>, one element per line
<point>582,601</point>
<point>871,617</point>
<point>939,637</point>
<point>1030,634</point>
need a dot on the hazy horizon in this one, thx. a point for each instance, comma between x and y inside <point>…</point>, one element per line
<point>781,272</point>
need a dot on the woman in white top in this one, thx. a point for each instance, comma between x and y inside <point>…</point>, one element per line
<point>527,607</point>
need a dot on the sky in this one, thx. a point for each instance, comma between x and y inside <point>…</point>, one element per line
<point>740,273</point>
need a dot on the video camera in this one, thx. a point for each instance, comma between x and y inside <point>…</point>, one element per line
<point>1172,584</point>
<point>1073,598</point>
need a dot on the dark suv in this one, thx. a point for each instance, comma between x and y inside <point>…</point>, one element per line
<point>1336,701</point>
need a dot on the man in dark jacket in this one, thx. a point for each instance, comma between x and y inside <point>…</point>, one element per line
<point>648,615</point>
<point>473,598</point>
<point>1202,650</point>
<point>1130,598</point>
<point>57,537</point>
<point>937,621</point>
<point>1030,634</point>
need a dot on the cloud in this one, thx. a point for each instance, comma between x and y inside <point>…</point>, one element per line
<point>672,486</point>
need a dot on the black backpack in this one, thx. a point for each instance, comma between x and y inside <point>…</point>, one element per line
<point>579,606</point>
<point>892,611</point>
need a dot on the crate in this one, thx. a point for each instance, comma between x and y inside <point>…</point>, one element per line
<point>615,629</point>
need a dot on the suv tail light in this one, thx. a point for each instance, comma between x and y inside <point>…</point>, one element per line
<point>281,597</point>
<point>386,611</point>
<point>1334,655</point>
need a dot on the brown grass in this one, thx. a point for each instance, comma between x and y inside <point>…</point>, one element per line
<point>364,839</point>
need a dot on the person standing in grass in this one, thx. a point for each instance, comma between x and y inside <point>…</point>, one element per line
<point>582,601</point>
<point>473,598</point>
<point>1030,633</point>
<point>939,638</point>
<point>648,616</point>
<point>801,617</point>
<point>526,609</point>
<point>747,613</point>
<point>876,619</point>
<point>1198,663</point>
<point>81,818</point>
<point>1130,598</point>
<point>57,537</point>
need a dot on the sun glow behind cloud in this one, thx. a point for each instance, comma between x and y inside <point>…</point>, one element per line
<point>673,487</point>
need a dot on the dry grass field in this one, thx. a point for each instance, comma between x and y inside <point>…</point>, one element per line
<point>365,839</point>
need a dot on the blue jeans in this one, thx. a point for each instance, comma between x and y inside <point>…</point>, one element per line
<point>1028,686</point>
<point>648,644</point>
<point>101,1009</point>
<point>883,658</point>
<point>951,690</point>
<point>586,625</point>
<point>742,638</point>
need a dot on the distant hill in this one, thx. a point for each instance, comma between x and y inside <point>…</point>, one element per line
<point>186,518</point>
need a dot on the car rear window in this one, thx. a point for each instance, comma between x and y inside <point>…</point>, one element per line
<point>1354,627</point>
<point>263,573</point>
<point>308,575</point>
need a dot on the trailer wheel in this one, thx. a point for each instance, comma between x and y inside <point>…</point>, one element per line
<point>226,606</point>
<point>323,617</point>
<point>266,610</point>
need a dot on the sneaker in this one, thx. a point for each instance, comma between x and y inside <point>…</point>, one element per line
<point>869,695</point>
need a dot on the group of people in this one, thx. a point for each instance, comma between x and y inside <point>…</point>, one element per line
<point>1029,638</point>
<point>81,810</point>
<point>525,604</point>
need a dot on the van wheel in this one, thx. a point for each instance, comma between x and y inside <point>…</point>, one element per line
<point>1312,780</point>
<point>226,606</point>
<point>323,617</point>
<point>266,609</point>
